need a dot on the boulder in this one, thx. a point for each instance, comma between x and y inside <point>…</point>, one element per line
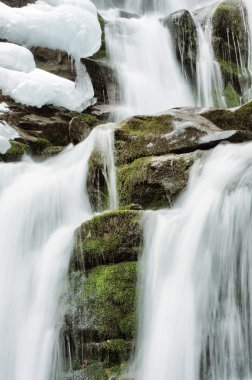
<point>177,131</point>
<point>111,237</point>
<point>154,182</point>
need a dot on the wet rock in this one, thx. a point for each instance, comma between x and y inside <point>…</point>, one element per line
<point>17,3</point>
<point>111,237</point>
<point>104,81</point>
<point>230,43</point>
<point>184,35</point>
<point>78,130</point>
<point>154,182</point>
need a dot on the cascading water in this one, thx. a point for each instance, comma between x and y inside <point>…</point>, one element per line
<point>196,268</point>
<point>209,79</point>
<point>149,76</point>
<point>41,204</point>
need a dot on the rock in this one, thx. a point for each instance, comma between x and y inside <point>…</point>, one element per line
<point>102,52</point>
<point>17,3</point>
<point>154,182</point>
<point>78,130</point>
<point>240,119</point>
<point>54,61</point>
<point>177,131</point>
<point>104,81</point>
<point>111,237</point>
<point>230,36</point>
<point>184,35</point>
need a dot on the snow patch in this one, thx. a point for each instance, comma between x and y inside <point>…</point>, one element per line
<point>68,25</point>
<point>3,108</point>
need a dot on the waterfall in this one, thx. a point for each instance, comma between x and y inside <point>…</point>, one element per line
<point>150,79</point>
<point>195,317</point>
<point>41,204</point>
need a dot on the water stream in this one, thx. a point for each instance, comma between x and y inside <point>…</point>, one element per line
<point>195,308</point>
<point>41,204</point>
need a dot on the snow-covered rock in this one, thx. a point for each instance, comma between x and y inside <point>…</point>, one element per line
<point>38,87</point>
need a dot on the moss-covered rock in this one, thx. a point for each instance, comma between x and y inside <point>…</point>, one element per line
<point>16,152</point>
<point>240,119</point>
<point>154,182</point>
<point>184,35</point>
<point>110,292</point>
<point>111,237</point>
<point>178,131</point>
<point>230,43</point>
<point>231,96</point>
<point>101,53</point>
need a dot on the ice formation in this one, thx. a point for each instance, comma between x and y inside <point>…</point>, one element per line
<point>68,25</point>
<point>6,133</point>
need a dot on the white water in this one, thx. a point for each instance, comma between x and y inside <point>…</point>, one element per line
<point>149,77</point>
<point>41,204</point>
<point>195,320</point>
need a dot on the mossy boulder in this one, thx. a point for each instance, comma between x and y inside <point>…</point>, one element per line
<point>239,119</point>
<point>81,125</point>
<point>178,131</point>
<point>111,237</point>
<point>154,182</point>
<point>230,43</point>
<point>184,36</point>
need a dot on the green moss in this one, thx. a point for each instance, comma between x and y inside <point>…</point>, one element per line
<point>231,96</point>
<point>108,238</point>
<point>110,293</point>
<point>101,54</point>
<point>142,125</point>
<point>114,351</point>
<point>230,68</point>
<point>16,151</point>
<point>91,120</point>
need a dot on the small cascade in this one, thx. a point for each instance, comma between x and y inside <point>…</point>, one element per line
<point>41,205</point>
<point>195,313</point>
<point>209,79</point>
<point>149,77</point>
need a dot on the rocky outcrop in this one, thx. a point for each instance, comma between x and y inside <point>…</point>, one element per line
<point>17,3</point>
<point>230,43</point>
<point>184,36</point>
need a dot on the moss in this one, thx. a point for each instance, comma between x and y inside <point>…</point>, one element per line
<point>52,150</point>
<point>101,53</point>
<point>110,293</point>
<point>230,68</point>
<point>111,237</point>
<point>91,120</point>
<point>231,96</point>
<point>153,182</point>
<point>114,351</point>
<point>16,151</point>
<point>142,125</point>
